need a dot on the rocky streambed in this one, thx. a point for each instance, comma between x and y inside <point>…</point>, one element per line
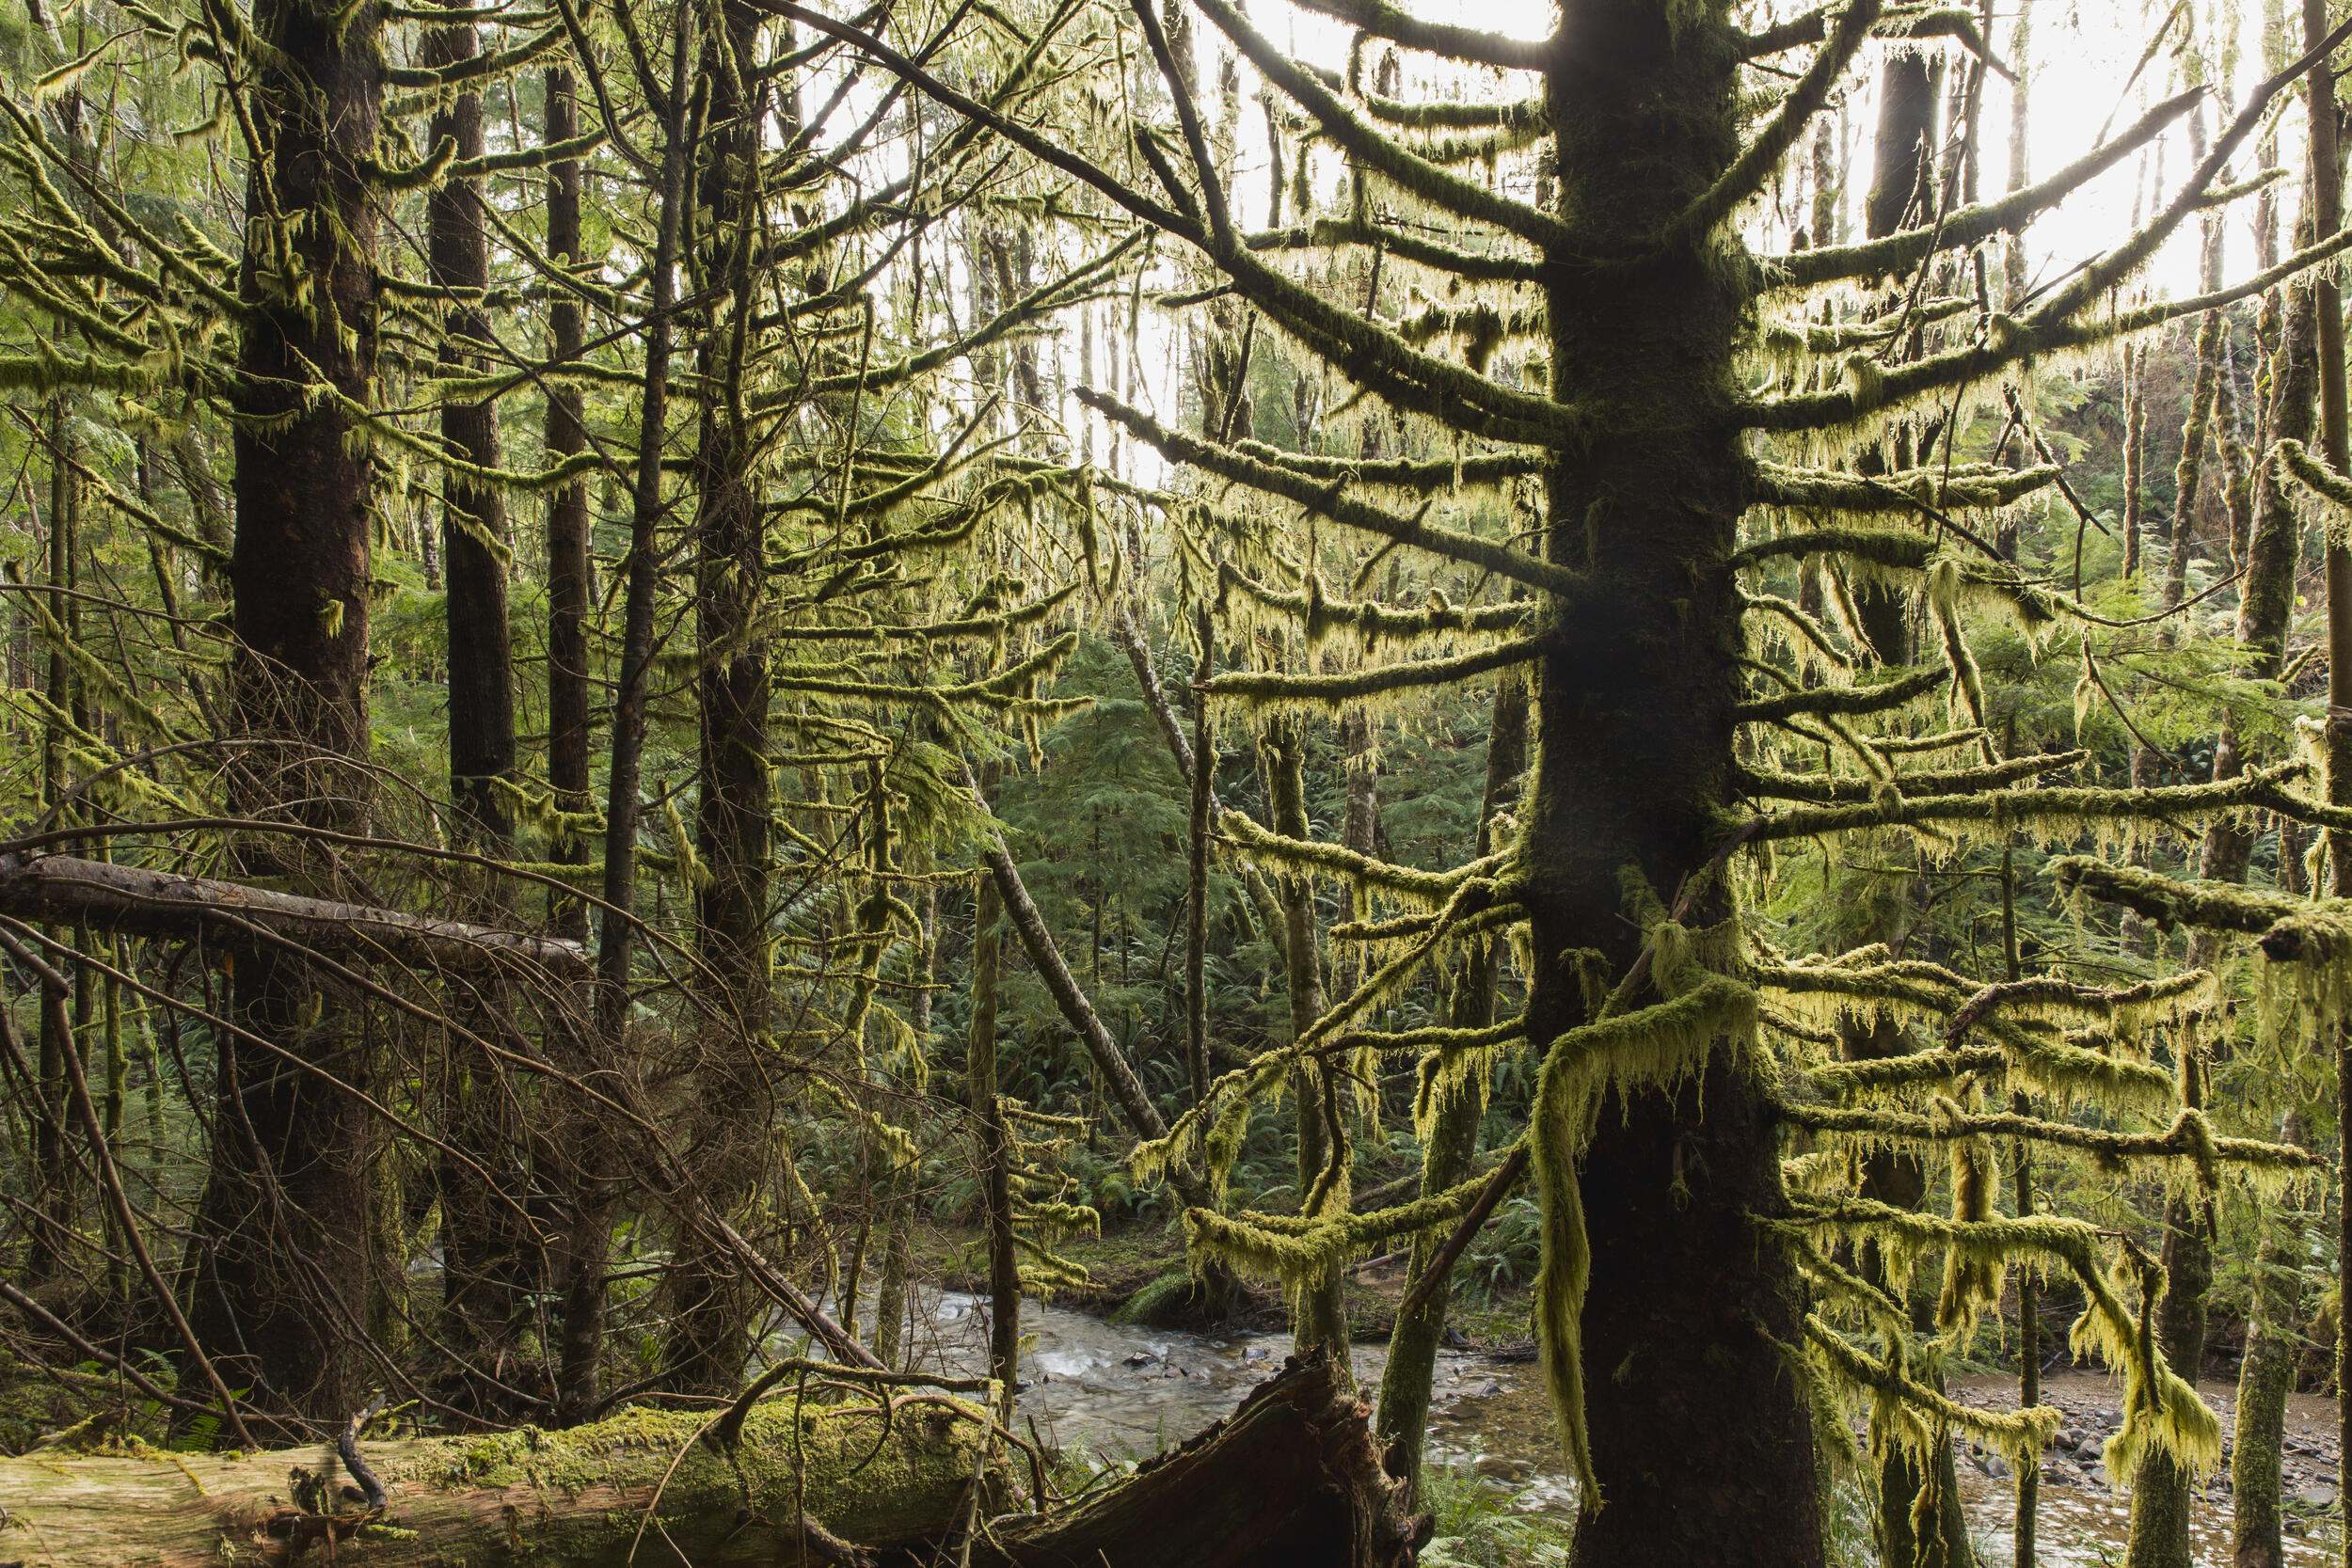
<point>1118,1391</point>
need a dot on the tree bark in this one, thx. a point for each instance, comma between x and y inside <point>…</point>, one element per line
<point>1689,1311</point>
<point>2265,1377</point>
<point>588,1228</point>
<point>134,901</point>
<point>708,1336</point>
<point>473,513</point>
<point>569,560</point>
<point>288,1215</point>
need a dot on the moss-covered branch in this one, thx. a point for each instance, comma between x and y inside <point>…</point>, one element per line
<point>1331,500</point>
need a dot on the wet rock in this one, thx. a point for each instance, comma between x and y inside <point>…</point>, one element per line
<point>1997,1468</point>
<point>2068,1438</point>
<point>2316,1497</point>
<point>1140,1358</point>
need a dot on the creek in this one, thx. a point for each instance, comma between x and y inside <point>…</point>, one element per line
<point>1118,1391</point>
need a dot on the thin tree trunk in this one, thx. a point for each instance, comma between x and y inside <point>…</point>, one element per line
<point>569,568</point>
<point>1202,792</point>
<point>2264,1379</point>
<point>708,1336</point>
<point>2163,1492</point>
<point>588,1232</point>
<point>995,1140</point>
<point>1319,1315</point>
<point>1403,1418</point>
<point>53,1171</point>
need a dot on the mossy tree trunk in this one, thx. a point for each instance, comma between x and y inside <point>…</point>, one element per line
<point>1688,1314</point>
<point>994,1134</point>
<point>2274,1330</point>
<point>575,1499</point>
<point>1291,1477</point>
<point>708,1339</point>
<point>1452,1146</point>
<point>1319,1317</point>
<point>570,570</point>
<point>588,1225</point>
<point>287,1249</point>
<point>487,1268</point>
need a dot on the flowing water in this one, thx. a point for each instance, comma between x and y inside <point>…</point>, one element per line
<point>1118,1391</point>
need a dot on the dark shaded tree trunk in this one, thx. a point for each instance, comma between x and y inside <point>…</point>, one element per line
<point>473,513</point>
<point>486,1269</point>
<point>994,1135</point>
<point>1688,1311</point>
<point>53,1170</point>
<point>286,1254</point>
<point>570,585</point>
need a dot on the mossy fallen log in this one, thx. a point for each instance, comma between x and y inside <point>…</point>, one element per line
<point>574,1499</point>
<point>1293,1477</point>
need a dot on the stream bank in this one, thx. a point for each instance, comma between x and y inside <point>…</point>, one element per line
<point>1118,1391</point>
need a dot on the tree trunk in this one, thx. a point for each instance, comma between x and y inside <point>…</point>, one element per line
<point>996,1140</point>
<point>1200,794</point>
<point>588,1228</point>
<point>487,1264</point>
<point>286,1250</point>
<point>569,568</point>
<point>708,1336</point>
<point>234,918</point>
<point>53,1171</point>
<point>473,513</point>
<point>2264,1379</point>
<point>1446,1160</point>
<point>1319,1315</point>
<point>1689,1312</point>
<point>2163,1493</point>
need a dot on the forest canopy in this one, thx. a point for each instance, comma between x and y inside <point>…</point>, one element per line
<point>715,709</point>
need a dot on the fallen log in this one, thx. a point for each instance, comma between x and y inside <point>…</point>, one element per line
<point>576,1498</point>
<point>133,900</point>
<point>1291,1480</point>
